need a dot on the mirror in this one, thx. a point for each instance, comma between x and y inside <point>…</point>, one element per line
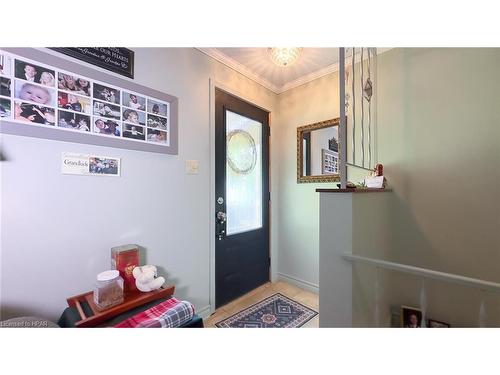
<point>318,152</point>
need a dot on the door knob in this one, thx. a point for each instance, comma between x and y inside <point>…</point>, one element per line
<point>221,216</point>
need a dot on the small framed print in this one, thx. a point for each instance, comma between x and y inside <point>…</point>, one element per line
<point>104,166</point>
<point>89,165</point>
<point>411,317</point>
<point>431,323</point>
<point>329,162</point>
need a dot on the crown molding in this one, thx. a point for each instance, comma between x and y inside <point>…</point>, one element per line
<point>309,77</point>
<point>240,68</point>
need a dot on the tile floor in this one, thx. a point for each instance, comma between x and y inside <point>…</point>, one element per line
<point>302,296</point>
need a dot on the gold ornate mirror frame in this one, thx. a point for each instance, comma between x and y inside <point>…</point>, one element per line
<point>300,133</point>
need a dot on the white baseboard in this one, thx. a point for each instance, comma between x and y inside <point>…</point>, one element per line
<point>203,312</point>
<point>306,285</point>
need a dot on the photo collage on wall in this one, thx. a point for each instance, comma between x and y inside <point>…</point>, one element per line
<point>41,95</point>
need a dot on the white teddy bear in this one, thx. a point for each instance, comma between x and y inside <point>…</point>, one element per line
<point>145,278</point>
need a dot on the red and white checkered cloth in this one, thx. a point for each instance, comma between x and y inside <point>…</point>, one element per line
<point>168,314</point>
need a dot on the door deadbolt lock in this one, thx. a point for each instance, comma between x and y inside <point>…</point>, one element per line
<point>221,234</point>
<point>220,200</point>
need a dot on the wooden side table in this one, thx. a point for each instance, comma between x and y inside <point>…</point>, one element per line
<point>130,300</point>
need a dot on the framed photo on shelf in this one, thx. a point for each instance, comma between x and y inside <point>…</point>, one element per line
<point>411,317</point>
<point>431,323</point>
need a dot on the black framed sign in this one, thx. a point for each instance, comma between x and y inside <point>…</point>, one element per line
<point>116,59</point>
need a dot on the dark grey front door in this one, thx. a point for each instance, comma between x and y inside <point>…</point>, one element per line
<point>242,197</point>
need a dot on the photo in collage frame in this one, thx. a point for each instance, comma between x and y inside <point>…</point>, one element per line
<point>33,93</point>
<point>5,86</point>
<point>157,123</point>
<point>134,115</point>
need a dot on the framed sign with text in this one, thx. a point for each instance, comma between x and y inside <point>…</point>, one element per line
<point>116,59</point>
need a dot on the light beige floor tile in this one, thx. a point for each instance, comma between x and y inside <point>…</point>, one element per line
<point>243,304</point>
<point>243,300</point>
<point>216,317</point>
<point>268,292</point>
<point>308,299</point>
<point>260,289</point>
<point>313,323</point>
<point>286,289</point>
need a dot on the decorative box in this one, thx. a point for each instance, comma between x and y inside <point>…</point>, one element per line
<point>124,258</point>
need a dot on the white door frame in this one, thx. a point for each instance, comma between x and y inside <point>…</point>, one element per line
<point>255,102</point>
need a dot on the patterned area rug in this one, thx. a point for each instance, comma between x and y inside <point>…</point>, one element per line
<point>276,311</point>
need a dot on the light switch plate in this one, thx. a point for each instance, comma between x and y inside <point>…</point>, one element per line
<point>192,166</point>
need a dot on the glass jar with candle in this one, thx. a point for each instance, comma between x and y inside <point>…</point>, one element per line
<point>108,290</point>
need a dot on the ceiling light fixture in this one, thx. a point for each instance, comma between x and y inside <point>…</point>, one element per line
<point>284,57</point>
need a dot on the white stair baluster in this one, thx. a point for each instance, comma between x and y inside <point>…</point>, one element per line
<point>377,299</point>
<point>482,311</point>
<point>423,303</point>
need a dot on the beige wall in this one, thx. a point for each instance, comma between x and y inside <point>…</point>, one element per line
<point>439,140</point>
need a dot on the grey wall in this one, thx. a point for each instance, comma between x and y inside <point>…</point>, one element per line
<point>57,230</point>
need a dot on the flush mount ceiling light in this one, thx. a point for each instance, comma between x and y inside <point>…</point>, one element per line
<point>284,57</point>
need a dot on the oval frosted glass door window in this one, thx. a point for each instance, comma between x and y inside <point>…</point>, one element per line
<point>243,173</point>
